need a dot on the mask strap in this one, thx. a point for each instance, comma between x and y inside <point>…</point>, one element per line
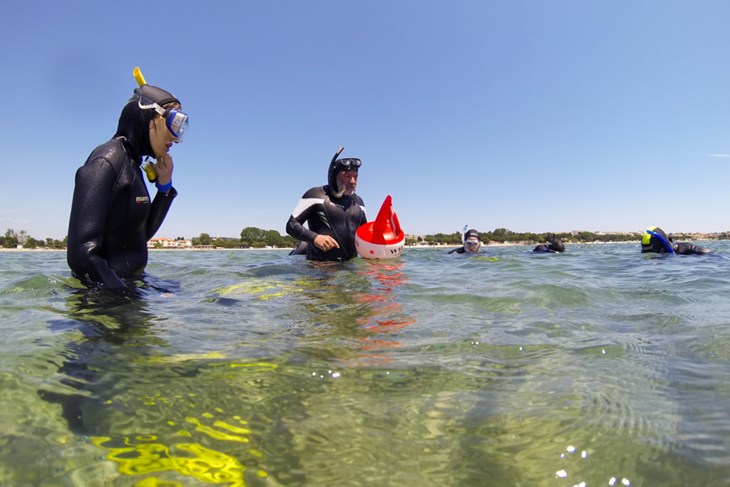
<point>168,114</point>
<point>152,105</point>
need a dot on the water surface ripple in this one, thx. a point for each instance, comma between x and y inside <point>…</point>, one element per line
<point>600,366</point>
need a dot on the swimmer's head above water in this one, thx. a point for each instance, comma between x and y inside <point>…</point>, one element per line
<point>342,175</point>
<point>471,241</point>
<point>152,119</point>
<point>655,240</point>
<point>556,245</point>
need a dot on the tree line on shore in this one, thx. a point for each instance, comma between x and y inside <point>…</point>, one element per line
<point>13,239</point>
<point>253,237</point>
<point>250,237</point>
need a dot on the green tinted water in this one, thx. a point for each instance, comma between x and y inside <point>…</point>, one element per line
<point>599,366</point>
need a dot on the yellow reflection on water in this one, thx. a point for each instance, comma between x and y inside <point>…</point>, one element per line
<point>147,454</point>
<point>190,459</point>
<point>220,435</point>
<point>265,290</point>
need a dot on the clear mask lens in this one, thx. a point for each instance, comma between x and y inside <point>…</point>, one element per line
<point>177,123</point>
<point>471,243</point>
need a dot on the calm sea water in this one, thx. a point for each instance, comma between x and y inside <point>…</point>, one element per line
<point>600,366</point>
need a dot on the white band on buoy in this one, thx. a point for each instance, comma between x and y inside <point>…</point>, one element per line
<point>370,250</point>
<point>382,238</point>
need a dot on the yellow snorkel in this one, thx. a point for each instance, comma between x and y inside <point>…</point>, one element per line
<point>138,76</point>
<point>149,169</point>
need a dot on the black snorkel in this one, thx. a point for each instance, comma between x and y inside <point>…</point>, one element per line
<point>334,191</point>
<point>332,174</point>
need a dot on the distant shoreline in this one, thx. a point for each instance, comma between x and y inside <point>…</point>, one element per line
<point>436,246</point>
<point>289,249</point>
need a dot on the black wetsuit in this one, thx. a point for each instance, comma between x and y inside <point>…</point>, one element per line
<point>546,249</point>
<point>327,215</point>
<point>112,217</point>
<point>685,248</point>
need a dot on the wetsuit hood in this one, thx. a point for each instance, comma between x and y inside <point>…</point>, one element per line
<point>134,122</point>
<point>556,245</point>
<point>332,173</point>
<point>471,233</point>
<point>335,168</point>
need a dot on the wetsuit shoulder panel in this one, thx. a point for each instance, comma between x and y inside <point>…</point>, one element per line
<point>311,203</point>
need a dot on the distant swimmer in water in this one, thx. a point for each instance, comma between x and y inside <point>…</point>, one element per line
<point>112,214</point>
<point>554,246</point>
<point>655,240</point>
<point>333,214</point>
<point>471,243</point>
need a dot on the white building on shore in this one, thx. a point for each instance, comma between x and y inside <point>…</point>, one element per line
<point>168,243</point>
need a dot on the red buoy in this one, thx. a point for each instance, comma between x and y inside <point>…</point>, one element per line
<point>382,238</point>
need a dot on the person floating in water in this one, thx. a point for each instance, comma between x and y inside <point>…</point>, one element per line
<point>655,240</point>
<point>333,214</point>
<point>471,243</point>
<point>554,246</point>
<point>112,217</point>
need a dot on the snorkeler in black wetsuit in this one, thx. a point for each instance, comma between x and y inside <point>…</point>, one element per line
<point>333,213</point>
<point>655,240</point>
<point>554,246</point>
<point>471,243</point>
<point>112,217</point>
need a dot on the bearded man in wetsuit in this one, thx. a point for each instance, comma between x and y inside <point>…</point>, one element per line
<point>333,214</point>
<point>112,217</point>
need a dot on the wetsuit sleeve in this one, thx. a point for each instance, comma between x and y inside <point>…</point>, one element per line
<point>158,211</point>
<point>92,194</point>
<point>295,226</point>
<point>296,229</point>
<point>685,248</point>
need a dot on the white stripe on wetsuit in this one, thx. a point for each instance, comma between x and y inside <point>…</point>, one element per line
<point>304,204</point>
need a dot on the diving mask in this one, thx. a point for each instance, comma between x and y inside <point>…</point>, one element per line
<point>471,244</point>
<point>350,164</point>
<point>176,121</point>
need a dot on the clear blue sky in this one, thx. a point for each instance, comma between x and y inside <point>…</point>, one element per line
<point>531,115</point>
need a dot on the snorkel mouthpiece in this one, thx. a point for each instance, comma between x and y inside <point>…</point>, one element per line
<point>149,170</point>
